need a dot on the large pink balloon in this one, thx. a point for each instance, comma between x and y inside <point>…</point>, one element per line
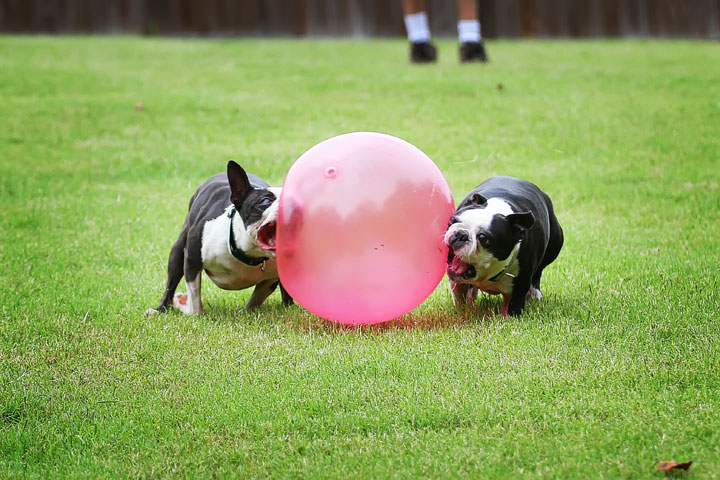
<point>360,228</point>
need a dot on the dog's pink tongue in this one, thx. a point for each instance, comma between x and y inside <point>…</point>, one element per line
<point>458,266</point>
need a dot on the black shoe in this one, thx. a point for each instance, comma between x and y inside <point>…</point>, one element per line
<point>422,52</point>
<point>472,52</point>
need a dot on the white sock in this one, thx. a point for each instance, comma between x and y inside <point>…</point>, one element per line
<point>469,31</point>
<point>417,27</point>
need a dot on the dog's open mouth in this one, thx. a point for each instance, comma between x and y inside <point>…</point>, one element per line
<point>266,236</point>
<point>458,269</point>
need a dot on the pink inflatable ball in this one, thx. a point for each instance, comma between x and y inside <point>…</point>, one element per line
<point>360,228</point>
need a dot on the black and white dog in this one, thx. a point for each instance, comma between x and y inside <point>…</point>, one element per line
<point>501,237</point>
<point>229,232</point>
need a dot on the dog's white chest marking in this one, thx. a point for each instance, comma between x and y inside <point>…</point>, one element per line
<point>224,270</point>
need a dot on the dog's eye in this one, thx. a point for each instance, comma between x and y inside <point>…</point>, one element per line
<point>265,202</point>
<point>483,239</point>
<point>452,221</point>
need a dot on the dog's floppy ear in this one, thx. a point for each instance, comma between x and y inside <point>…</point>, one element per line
<point>520,222</point>
<point>477,199</point>
<point>239,183</point>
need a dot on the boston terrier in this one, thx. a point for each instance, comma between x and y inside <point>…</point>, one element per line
<point>501,237</point>
<point>229,232</point>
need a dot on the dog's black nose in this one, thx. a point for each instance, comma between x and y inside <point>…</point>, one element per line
<point>458,239</point>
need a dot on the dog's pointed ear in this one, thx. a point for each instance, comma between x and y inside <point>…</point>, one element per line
<point>520,222</point>
<point>239,183</point>
<point>477,199</point>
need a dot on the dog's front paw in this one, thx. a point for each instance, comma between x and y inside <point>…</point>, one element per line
<point>180,301</point>
<point>151,311</point>
<point>470,297</point>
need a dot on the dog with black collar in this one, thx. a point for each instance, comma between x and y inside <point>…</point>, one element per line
<point>501,237</point>
<point>229,232</point>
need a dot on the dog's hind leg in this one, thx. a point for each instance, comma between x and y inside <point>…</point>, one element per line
<point>261,293</point>
<point>176,262</point>
<point>535,293</point>
<point>551,253</point>
<point>555,243</point>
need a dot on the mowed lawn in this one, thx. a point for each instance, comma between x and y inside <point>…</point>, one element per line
<point>617,368</point>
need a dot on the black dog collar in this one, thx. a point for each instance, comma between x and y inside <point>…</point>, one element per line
<point>236,252</point>
<point>504,271</point>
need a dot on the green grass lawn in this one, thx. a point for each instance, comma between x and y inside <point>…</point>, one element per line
<point>616,369</point>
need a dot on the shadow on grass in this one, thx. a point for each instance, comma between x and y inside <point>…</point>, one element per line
<point>438,316</point>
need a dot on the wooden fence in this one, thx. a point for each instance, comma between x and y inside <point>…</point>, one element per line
<point>500,18</point>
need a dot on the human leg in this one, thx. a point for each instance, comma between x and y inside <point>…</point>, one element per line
<point>418,31</point>
<point>469,36</point>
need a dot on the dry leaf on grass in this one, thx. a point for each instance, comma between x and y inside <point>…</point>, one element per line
<point>673,465</point>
